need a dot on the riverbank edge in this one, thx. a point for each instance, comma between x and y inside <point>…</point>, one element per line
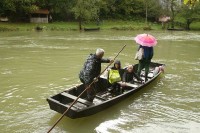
<point>73,26</point>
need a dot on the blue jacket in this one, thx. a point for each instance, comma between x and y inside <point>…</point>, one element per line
<point>91,69</point>
<point>148,52</point>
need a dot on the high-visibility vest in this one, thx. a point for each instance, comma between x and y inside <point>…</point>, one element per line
<point>114,76</point>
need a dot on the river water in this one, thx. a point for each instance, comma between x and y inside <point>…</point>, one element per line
<point>37,65</point>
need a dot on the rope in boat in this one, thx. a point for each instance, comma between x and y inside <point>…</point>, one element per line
<point>96,79</point>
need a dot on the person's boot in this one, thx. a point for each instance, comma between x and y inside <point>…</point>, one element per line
<point>90,98</point>
<point>121,90</point>
<point>146,79</point>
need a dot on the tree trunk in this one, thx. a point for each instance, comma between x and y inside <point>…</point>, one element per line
<point>146,12</point>
<point>172,17</point>
<point>188,24</point>
<point>80,24</point>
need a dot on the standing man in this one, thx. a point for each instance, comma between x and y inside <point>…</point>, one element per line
<point>146,42</point>
<point>91,70</point>
<point>145,61</point>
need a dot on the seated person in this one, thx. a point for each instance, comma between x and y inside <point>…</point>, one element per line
<point>117,66</point>
<point>129,74</point>
<point>112,81</point>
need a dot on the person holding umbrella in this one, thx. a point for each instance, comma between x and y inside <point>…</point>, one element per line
<point>146,42</point>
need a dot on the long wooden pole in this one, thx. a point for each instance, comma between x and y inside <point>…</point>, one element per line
<point>84,91</point>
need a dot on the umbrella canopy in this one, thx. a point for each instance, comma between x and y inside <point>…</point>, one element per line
<point>146,40</point>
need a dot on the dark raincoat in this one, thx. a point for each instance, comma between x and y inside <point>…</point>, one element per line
<point>91,69</point>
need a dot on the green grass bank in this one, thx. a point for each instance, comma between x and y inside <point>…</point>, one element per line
<point>104,25</point>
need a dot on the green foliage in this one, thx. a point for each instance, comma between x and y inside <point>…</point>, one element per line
<point>154,9</point>
<point>122,9</point>
<point>190,12</point>
<point>17,9</point>
<point>92,10</point>
<point>190,2</point>
<point>86,9</point>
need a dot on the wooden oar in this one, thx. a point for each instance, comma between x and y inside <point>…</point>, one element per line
<point>95,80</point>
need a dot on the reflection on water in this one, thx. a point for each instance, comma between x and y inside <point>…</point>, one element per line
<point>36,65</point>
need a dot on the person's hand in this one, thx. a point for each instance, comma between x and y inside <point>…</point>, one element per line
<point>123,84</point>
<point>95,79</point>
<point>88,87</point>
<point>111,60</point>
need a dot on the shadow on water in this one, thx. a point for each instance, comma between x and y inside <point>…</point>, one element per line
<point>93,121</point>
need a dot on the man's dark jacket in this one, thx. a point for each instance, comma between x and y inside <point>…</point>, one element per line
<point>91,69</point>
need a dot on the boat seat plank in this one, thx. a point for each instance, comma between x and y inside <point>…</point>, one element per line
<point>128,84</point>
<point>137,82</point>
<point>74,107</point>
<point>150,75</point>
<point>80,100</point>
<point>101,98</point>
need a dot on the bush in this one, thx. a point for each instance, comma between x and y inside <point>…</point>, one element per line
<point>147,27</point>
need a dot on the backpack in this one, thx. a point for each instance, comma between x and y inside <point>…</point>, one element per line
<point>139,54</point>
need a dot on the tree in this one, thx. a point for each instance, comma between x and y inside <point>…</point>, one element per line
<point>152,9</point>
<point>174,7</point>
<point>190,2</point>
<point>86,10</point>
<point>82,10</point>
<point>17,9</point>
<point>59,9</point>
<point>190,11</point>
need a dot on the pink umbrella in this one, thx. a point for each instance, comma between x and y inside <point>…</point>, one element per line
<point>146,40</point>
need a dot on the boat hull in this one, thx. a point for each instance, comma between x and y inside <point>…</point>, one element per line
<point>62,101</point>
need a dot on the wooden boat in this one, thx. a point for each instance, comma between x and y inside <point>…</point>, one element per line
<point>103,99</point>
<point>175,29</point>
<point>92,29</point>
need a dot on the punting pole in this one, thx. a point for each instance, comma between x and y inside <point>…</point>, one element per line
<point>96,79</point>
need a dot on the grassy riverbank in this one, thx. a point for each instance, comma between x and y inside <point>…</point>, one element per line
<point>65,26</point>
<point>104,25</point>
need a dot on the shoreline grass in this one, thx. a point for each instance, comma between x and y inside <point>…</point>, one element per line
<point>104,25</point>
